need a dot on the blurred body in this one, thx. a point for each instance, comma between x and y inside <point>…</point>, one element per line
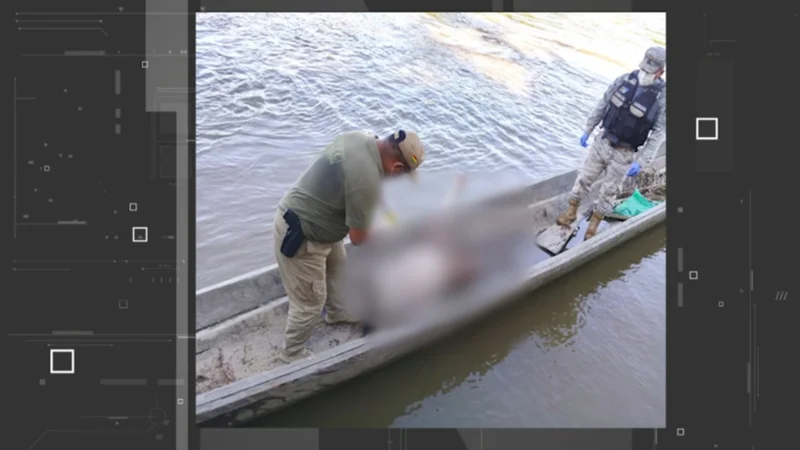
<point>402,286</point>
<point>401,277</point>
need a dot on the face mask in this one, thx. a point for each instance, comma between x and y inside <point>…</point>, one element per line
<point>645,78</point>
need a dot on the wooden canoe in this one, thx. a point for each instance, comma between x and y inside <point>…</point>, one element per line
<point>239,377</point>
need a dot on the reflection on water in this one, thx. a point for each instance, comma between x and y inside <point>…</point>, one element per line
<point>588,350</point>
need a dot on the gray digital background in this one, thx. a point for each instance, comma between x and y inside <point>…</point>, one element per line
<point>397,439</point>
<point>167,87</point>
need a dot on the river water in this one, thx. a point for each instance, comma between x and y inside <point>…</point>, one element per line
<point>500,97</point>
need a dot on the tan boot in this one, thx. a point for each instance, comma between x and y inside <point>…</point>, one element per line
<point>569,216</point>
<point>594,222</point>
<point>288,359</point>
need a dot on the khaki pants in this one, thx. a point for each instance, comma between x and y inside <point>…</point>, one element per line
<point>614,162</point>
<point>309,278</point>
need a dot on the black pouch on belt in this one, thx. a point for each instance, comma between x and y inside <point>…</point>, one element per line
<point>294,234</point>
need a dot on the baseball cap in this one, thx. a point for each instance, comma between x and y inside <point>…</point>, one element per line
<point>410,147</point>
<point>655,59</point>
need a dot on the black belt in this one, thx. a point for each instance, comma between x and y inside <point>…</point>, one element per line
<point>616,144</point>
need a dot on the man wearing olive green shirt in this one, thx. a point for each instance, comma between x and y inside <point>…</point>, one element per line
<point>334,198</point>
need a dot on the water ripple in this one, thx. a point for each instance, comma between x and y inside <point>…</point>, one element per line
<point>487,92</point>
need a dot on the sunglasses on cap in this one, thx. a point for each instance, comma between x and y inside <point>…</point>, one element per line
<point>401,136</point>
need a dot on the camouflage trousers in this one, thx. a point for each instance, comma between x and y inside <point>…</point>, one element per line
<point>607,164</point>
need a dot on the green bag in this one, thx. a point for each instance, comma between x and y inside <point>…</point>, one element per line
<point>633,205</point>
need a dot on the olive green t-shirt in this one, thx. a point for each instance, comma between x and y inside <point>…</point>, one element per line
<point>340,190</point>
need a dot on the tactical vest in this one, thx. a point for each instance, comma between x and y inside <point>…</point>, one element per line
<point>630,117</point>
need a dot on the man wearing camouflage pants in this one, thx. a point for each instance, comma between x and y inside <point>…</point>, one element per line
<point>633,115</point>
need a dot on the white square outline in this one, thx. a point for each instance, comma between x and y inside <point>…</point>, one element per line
<point>693,274</point>
<point>145,64</point>
<point>123,303</point>
<point>133,206</point>
<point>697,129</point>
<point>133,234</point>
<point>681,432</point>
<point>71,352</point>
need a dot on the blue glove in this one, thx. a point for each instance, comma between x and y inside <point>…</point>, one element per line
<point>634,170</point>
<point>584,138</point>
